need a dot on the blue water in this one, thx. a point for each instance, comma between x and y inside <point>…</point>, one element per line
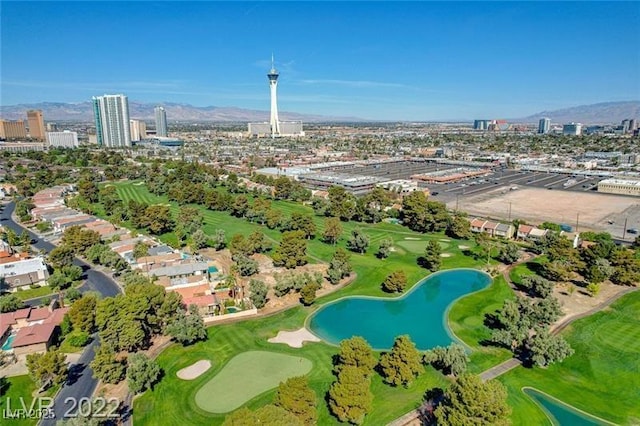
<point>561,414</point>
<point>421,313</point>
<point>213,269</point>
<point>7,344</point>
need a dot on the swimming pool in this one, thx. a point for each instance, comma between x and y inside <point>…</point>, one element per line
<point>559,413</point>
<point>6,346</point>
<point>421,313</point>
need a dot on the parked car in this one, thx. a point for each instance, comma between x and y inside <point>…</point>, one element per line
<point>632,230</point>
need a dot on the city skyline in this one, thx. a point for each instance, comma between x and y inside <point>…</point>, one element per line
<point>416,61</point>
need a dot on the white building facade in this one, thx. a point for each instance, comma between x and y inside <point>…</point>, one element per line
<point>161,121</point>
<point>66,139</point>
<point>111,114</point>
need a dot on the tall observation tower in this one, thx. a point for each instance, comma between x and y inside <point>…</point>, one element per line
<point>273,85</point>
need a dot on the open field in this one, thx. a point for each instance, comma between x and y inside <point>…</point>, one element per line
<point>602,377</point>
<point>539,205</point>
<point>246,376</point>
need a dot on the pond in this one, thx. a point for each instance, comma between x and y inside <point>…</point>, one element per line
<point>559,413</point>
<point>421,313</point>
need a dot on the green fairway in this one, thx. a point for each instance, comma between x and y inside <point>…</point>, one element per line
<point>16,390</point>
<point>602,378</point>
<point>246,376</point>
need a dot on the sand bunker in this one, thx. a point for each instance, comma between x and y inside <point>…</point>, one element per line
<point>411,238</point>
<point>463,247</point>
<point>444,240</point>
<point>445,255</point>
<point>194,370</point>
<point>295,339</point>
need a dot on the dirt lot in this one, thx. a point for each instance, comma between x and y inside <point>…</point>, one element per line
<point>538,205</point>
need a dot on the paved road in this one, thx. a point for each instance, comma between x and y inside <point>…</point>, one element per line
<point>80,383</point>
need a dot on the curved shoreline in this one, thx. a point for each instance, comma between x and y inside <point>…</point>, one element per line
<point>419,283</point>
<point>562,403</point>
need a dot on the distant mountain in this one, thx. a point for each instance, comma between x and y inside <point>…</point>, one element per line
<point>83,111</point>
<point>602,113</point>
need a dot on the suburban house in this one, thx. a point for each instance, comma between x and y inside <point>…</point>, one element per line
<point>34,329</point>
<point>23,272</point>
<point>494,229</point>
<point>529,232</point>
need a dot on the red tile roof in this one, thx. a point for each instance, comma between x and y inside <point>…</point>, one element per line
<point>57,316</point>
<point>206,300</point>
<point>7,318</point>
<point>38,333</point>
<point>21,313</point>
<point>38,314</point>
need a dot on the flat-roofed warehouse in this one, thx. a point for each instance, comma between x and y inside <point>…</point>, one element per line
<point>357,185</point>
<point>620,186</point>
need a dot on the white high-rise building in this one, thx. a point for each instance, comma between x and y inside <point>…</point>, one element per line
<point>64,139</point>
<point>161,121</point>
<point>111,113</point>
<point>273,85</point>
<point>138,130</point>
<point>544,126</point>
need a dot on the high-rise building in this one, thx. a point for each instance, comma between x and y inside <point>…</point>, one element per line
<point>273,85</point>
<point>573,129</point>
<point>111,113</point>
<point>138,130</point>
<point>64,139</point>
<point>36,125</point>
<point>161,121</point>
<point>13,129</point>
<point>544,125</point>
<point>481,124</point>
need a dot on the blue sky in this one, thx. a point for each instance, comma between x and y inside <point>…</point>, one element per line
<point>376,60</point>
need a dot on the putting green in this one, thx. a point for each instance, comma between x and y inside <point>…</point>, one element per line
<point>418,246</point>
<point>246,376</point>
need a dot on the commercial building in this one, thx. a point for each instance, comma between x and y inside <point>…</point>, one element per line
<point>544,125</point>
<point>357,185</point>
<point>161,121</point>
<point>620,186</point>
<point>111,114</point>
<point>66,139</point>
<point>36,125</point>
<point>22,146</point>
<point>481,124</point>
<point>138,130</point>
<point>572,129</point>
<point>13,129</point>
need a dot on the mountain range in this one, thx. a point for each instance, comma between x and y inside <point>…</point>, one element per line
<point>601,113</point>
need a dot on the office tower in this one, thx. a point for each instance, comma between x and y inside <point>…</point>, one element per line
<point>544,125</point>
<point>273,85</point>
<point>138,130</point>
<point>573,129</point>
<point>112,121</point>
<point>161,121</point>
<point>64,139</point>
<point>36,125</point>
<point>13,129</point>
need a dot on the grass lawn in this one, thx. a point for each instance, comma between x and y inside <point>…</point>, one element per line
<point>525,269</point>
<point>20,387</point>
<point>31,293</point>
<point>602,378</point>
<point>246,376</point>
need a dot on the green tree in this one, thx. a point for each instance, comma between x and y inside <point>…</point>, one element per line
<point>402,364</point>
<point>432,259</point>
<point>159,219</point>
<point>547,349</point>
<point>470,401</point>
<point>298,398</point>
<point>355,352</point>
<point>273,218</point>
<point>302,222</point>
<point>88,190</point>
<point>339,267</point>
<point>142,373</point>
<point>106,366</point>
<point>308,294</point>
<point>452,359</point>
<point>240,206</point>
<point>83,313</point>
<point>61,256</point>
<point>350,396</point>
<point>332,230</point>
<point>395,282</point>
<point>258,293</point>
<point>458,227</point>
<point>258,242</point>
<point>358,241</point>
<point>246,265</point>
<point>199,240</point>
<point>48,368</point>
<point>292,251</point>
<point>140,250</point>
<point>341,203</point>
<point>509,253</point>
<point>187,328</point>
<point>79,239</point>
<point>10,302</point>
<point>384,249</point>
<point>269,415</point>
<point>537,285</point>
<point>219,239</point>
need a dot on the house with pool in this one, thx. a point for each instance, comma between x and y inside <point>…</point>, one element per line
<point>30,330</point>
